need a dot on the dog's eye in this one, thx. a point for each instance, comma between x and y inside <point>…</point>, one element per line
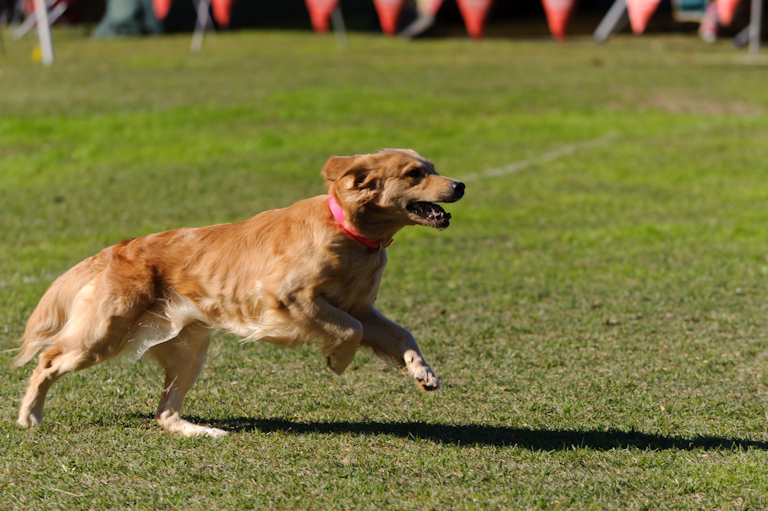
<point>414,173</point>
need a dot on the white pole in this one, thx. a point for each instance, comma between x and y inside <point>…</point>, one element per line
<point>44,32</point>
<point>200,25</point>
<point>755,23</point>
<point>615,19</point>
<point>337,20</point>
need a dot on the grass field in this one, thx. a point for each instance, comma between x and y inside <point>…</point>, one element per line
<point>596,312</point>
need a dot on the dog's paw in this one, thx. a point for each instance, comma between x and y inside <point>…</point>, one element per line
<point>421,372</point>
<point>340,358</point>
<point>426,378</point>
<point>173,422</point>
<point>189,429</point>
<point>214,432</point>
<point>29,419</point>
<point>333,365</point>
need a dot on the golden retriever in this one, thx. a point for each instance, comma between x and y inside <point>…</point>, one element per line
<point>287,276</point>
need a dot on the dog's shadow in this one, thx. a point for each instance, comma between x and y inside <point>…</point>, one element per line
<point>475,434</point>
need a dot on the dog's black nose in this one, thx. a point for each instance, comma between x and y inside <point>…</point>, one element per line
<point>458,189</point>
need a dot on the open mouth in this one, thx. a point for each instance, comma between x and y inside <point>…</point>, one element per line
<point>432,214</point>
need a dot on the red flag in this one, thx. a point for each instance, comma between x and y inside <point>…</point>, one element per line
<point>222,10</point>
<point>640,11</point>
<point>320,12</point>
<point>161,8</point>
<point>389,12</point>
<point>558,14</point>
<point>474,13</point>
<point>725,11</point>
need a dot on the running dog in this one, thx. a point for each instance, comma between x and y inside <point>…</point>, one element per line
<point>287,276</point>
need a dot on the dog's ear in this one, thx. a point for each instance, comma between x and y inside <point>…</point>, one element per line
<point>357,169</point>
<point>339,166</point>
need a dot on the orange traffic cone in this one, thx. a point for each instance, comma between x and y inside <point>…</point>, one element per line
<point>725,11</point>
<point>161,8</point>
<point>222,10</point>
<point>389,12</point>
<point>474,13</point>
<point>640,12</point>
<point>558,14</point>
<point>320,12</point>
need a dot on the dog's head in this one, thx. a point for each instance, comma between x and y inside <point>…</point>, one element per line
<point>394,188</point>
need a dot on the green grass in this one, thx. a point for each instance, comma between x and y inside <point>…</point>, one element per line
<point>597,318</point>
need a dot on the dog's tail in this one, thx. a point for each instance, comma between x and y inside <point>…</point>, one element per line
<point>52,312</point>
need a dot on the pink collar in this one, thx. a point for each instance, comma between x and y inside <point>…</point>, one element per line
<point>338,214</point>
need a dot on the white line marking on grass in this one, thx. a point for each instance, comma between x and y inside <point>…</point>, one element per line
<point>544,158</point>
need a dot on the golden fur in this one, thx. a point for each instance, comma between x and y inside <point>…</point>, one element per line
<point>286,276</point>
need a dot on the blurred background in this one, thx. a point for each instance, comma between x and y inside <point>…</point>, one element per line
<point>597,312</point>
<point>504,18</point>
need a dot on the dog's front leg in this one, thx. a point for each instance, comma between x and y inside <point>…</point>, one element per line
<point>390,340</point>
<point>340,332</point>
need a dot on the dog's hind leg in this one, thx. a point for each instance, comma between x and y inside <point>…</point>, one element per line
<point>171,334</point>
<point>54,362</point>
<point>91,335</point>
<point>182,358</point>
